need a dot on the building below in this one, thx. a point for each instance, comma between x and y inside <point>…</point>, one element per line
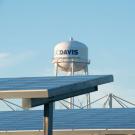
<point>73,122</point>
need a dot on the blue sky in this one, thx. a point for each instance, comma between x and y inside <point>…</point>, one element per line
<point>29,29</point>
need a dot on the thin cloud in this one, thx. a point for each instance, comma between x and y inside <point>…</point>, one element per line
<point>4,57</point>
<point>9,59</point>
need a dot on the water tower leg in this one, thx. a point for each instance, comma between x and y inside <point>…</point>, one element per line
<point>87,95</point>
<point>56,74</point>
<point>48,119</point>
<point>73,103</point>
<point>72,72</point>
<point>56,70</point>
<point>89,105</point>
<point>72,99</point>
<point>86,70</point>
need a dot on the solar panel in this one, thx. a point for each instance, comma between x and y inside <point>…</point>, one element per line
<point>46,90</point>
<point>46,87</point>
<point>116,118</point>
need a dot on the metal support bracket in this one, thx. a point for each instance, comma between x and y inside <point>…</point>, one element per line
<point>48,119</point>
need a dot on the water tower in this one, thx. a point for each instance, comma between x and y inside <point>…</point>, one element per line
<point>71,57</point>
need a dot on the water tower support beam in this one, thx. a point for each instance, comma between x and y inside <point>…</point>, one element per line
<point>88,95</point>
<point>86,70</point>
<point>72,72</point>
<point>72,98</point>
<point>88,101</point>
<point>56,69</point>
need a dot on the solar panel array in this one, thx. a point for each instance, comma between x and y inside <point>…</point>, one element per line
<point>70,119</point>
<point>31,83</point>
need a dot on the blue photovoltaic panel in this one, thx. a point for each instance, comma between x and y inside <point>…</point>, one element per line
<point>34,83</point>
<point>70,119</point>
<point>44,87</point>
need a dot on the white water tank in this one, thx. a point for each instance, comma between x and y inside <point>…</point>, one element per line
<point>71,54</point>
